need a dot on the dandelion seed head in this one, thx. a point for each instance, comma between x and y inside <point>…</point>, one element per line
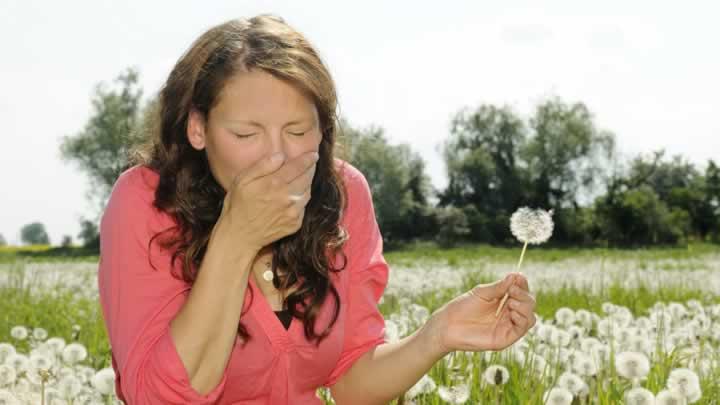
<point>667,397</point>
<point>533,226</point>
<point>104,381</point>
<point>496,375</point>
<point>684,381</point>
<point>6,349</point>
<point>632,365</point>
<point>639,396</point>
<point>40,334</point>
<point>73,353</point>
<point>458,394</point>
<point>19,332</point>
<point>8,375</point>
<point>558,396</point>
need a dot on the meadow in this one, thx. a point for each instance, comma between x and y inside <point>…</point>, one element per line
<point>614,326</point>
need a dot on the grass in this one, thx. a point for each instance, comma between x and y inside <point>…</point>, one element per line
<point>58,310</point>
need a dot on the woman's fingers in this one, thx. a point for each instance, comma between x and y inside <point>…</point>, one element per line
<point>521,294</point>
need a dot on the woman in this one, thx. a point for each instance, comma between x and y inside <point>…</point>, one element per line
<point>221,279</point>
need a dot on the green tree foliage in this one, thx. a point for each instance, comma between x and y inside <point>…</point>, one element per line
<point>397,180</point>
<point>34,234</point>
<point>497,163</point>
<point>101,148</point>
<point>3,242</point>
<point>484,172</point>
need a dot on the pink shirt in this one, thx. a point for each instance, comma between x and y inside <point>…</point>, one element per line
<point>277,366</point>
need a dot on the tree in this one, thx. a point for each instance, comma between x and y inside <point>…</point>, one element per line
<point>3,242</point>
<point>89,234</point>
<point>566,155</point>
<point>101,149</point>
<point>484,169</point>
<point>397,181</point>
<point>34,234</point>
<point>66,241</point>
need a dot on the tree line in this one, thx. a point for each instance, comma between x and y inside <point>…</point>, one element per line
<point>496,161</point>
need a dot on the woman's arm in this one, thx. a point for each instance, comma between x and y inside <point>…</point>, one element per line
<point>205,329</point>
<point>388,370</point>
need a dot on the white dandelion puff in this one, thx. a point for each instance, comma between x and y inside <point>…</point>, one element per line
<point>573,383</point>
<point>639,396</point>
<point>57,344</point>
<point>104,381</point>
<point>558,396</point>
<point>6,349</point>
<point>7,397</point>
<point>632,365</point>
<point>425,385</point>
<point>458,394</point>
<point>531,226</point>
<point>8,375</point>
<point>667,397</point>
<point>74,353</point>
<point>496,375</point>
<point>40,334</point>
<point>528,226</point>
<point>18,361</point>
<point>684,381</point>
<point>19,332</point>
<point>69,387</point>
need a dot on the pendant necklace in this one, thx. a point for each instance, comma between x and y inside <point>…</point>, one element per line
<point>268,274</point>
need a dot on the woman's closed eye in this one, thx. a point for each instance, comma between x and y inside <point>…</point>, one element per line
<point>249,135</point>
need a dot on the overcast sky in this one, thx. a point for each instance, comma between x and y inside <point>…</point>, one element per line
<point>648,72</point>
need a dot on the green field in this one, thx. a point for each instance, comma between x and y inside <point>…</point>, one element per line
<point>680,282</point>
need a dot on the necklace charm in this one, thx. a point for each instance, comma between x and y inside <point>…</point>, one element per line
<point>268,274</point>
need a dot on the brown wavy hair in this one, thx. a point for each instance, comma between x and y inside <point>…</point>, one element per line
<point>188,191</point>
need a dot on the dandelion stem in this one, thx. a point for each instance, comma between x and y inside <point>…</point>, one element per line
<point>505,297</point>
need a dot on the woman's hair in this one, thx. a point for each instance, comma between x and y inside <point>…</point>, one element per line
<point>191,195</point>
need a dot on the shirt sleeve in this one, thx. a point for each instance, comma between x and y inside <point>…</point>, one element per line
<point>139,301</point>
<point>369,272</point>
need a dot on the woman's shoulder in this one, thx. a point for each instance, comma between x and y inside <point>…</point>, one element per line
<point>359,196</point>
<point>134,192</point>
<point>351,175</point>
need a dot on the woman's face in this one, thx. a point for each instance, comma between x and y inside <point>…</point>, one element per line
<point>255,116</point>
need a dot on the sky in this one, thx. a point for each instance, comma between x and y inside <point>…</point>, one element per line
<point>647,71</point>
